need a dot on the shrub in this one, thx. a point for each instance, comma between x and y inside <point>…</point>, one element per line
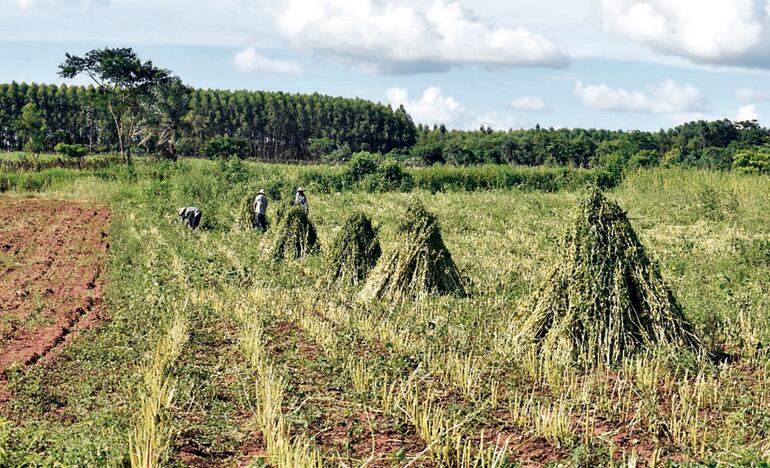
<point>752,161</point>
<point>360,166</point>
<point>71,151</point>
<point>340,155</point>
<point>429,153</point>
<point>226,147</point>
<point>320,147</point>
<point>644,158</point>
<point>389,177</point>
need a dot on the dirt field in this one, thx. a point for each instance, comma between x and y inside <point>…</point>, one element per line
<point>52,261</point>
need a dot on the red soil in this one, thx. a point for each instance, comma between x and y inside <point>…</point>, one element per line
<point>52,261</point>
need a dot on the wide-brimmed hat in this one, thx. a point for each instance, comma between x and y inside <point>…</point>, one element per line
<point>299,189</point>
<point>261,191</point>
<point>180,210</point>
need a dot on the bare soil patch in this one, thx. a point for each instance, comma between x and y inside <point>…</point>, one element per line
<point>52,264</point>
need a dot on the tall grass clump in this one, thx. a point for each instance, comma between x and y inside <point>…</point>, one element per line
<point>418,265</point>
<point>605,299</point>
<point>354,253</point>
<point>295,237</point>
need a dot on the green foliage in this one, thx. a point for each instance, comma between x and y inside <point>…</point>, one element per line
<point>123,80</point>
<point>715,204</point>
<point>225,147</point>
<point>71,151</point>
<point>32,128</point>
<point>752,161</point>
<point>389,177</point>
<point>320,147</point>
<point>644,158</point>
<point>361,165</point>
<point>354,252</point>
<point>295,236</point>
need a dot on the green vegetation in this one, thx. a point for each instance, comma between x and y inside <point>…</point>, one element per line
<point>294,237</point>
<point>211,353</point>
<point>604,300</point>
<point>354,252</point>
<point>418,265</point>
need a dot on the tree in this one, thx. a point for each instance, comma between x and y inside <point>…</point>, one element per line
<point>163,115</point>
<point>32,128</point>
<point>76,151</point>
<point>122,80</point>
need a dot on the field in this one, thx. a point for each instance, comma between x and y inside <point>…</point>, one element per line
<point>209,353</point>
<point>52,266</point>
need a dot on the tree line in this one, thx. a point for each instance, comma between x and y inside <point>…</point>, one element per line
<point>270,125</point>
<point>712,144</point>
<point>133,104</point>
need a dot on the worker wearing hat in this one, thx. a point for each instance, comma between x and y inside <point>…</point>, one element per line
<point>260,211</point>
<point>300,199</point>
<point>190,216</point>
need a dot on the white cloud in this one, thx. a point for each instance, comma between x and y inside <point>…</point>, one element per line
<point>528,104</point>
<point>748,112</point>
<point>61,4</point>
<point>747,94</point>
<point>668,97</point>
<point>249,60</point>
<point>393,37</point>
<point>434,108</point>
<point>724,32</point>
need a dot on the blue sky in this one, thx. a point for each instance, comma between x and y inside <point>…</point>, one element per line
<point>645,64</point>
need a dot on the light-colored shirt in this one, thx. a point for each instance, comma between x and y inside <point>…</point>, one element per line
<point>260,204</point>
<point>301,200</point>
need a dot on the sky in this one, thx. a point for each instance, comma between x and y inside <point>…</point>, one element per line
<point>615,64</point>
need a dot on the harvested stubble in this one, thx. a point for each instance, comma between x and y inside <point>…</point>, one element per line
<point>418,265</point>
<point>354,253</point>
<point>295,236</point>
<point>605,299</point>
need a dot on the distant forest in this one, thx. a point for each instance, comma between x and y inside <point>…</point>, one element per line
<point>277,126</point>
<point>265,125</point>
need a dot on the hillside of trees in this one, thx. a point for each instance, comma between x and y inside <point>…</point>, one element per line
<point>265,125</point>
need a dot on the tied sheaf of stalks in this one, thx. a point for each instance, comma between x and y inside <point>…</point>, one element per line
<point>295,237</point>
<point>244,216</point>
<point>605,299</point>
<point>354,253</point>
<point>418,265</point>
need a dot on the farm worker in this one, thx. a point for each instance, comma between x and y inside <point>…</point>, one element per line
<point>190,216</point>
<point>300,199</point>
<point>260,210</point>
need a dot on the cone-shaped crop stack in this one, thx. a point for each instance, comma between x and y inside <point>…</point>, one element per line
<point>419,264</point>
<point>605,299</point>
<point>295,236</point>
<point>354,253</point>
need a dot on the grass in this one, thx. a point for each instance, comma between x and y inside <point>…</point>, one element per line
<point>272,370</point>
